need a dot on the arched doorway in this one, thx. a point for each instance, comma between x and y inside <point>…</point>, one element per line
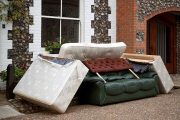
<point>161,38</point>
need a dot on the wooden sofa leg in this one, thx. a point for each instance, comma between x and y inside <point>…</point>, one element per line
<point>134,74</point>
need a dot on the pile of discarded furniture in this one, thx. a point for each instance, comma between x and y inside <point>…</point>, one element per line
<point>98,73</point>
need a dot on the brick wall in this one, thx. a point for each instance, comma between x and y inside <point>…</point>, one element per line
<point>33,47</point>
<point>20,55</point>
<point>101,23</point>
<point>126,23</point>
<point>132,16</point>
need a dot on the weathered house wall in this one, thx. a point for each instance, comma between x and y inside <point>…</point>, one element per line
<point>98,25</point>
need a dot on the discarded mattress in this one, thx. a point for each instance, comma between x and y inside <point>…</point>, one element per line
<point>84,51</point>
<point>165,82</point>
<point>51,82</point>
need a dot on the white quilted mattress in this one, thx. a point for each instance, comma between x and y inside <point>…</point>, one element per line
<point>82,51</point>
<point>50,84</point>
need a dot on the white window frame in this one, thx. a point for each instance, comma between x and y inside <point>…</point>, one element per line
<point>80,19</point>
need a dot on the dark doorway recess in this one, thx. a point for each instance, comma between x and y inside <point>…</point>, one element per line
<point>161,39</point>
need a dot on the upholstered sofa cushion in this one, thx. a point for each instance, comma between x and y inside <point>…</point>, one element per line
<point>128,86</point>
<point>120,86</point>
<point>110,76</point>
<point>165,82</point>
<point>107,64</point>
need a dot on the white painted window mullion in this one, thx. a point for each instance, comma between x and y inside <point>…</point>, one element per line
<point>60,32</point>
<point>60,18</point>
<point>61,9</point>
<point>60,23</point>
<point>79,31</point>
<point>54,17</point>
<point>68,18</point>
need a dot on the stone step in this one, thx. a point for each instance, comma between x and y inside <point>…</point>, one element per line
<point>7,111</point>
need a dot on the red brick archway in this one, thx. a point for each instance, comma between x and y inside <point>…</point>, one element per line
<point>128,24</point>
<point>170,61</point>
<point>161,38</point>
<point>133,31</point>
<point>143,27</point>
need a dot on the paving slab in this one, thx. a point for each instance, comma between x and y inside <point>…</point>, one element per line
<point>7,111</point>
<point>176,80</point>
<point>2,85</point>
<point>3,100</point>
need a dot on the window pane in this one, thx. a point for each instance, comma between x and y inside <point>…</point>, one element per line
<point>51,7</point>
<point>70,31</point>
<point>50,31</point>
<point>70,8</point>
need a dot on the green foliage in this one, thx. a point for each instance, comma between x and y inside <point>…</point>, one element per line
<point>3,75</point>
<point>52,45</point>
<point>18,74</point>
<point>16,10</point>
<point>3,6</point>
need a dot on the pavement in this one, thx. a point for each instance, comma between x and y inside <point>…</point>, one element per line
<point>161,107</point>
